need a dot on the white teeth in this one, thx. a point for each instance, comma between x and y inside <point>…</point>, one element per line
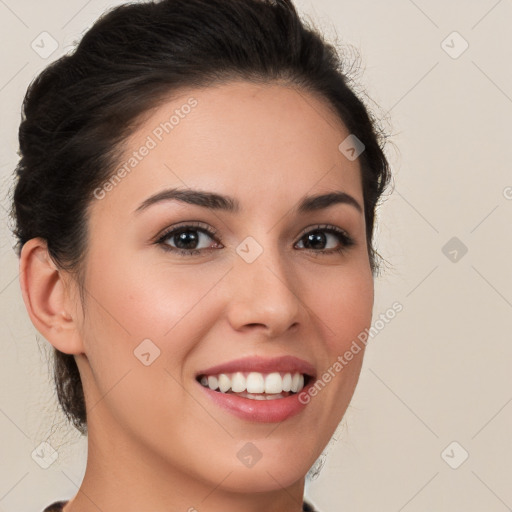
<point>253,383</point>
<point>224,382</point>
<point>296,382</point>
<point>273,383</point>
<point>287,382</point>
<point>261,397</point>
<point>213,383</point>
<point>238,383</point>
<point>256,397</point>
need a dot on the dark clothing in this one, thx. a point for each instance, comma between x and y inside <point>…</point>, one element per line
<point>307,507</point>
<point>58,505</point>
<point>55,507</point>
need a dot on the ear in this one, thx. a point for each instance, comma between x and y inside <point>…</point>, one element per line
<point>47,298</point>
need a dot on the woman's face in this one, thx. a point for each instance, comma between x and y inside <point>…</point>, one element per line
<point>267,282</point>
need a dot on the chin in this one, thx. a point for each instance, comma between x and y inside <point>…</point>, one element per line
<point>265,479</point>
<point>266,474</point>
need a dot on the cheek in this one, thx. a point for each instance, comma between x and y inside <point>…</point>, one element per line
<point>342,302</point>
<point>149,298</point>
<point>138,330</point>
<point>351,311</point>
<point>343,306</point>
<point>136,308</point>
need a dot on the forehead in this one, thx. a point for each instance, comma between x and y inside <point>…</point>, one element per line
<point>265,144</point>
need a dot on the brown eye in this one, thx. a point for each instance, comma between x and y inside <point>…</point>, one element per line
<point>185,240</point>
<point>315,239</point>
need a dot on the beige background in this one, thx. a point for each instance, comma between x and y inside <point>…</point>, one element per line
<point>437,373</point>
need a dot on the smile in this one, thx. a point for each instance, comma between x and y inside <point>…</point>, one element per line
<point>256,385</point>
<point>257,388</point>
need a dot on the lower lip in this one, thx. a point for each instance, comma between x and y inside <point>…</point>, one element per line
<point>264,411</point>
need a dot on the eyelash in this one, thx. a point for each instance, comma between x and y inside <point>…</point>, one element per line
<point>346,240</point>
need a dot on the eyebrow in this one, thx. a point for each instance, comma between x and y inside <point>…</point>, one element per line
<point>230,204</point>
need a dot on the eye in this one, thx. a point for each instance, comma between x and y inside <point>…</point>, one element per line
<point>316,237</point>
<point>187,238</point>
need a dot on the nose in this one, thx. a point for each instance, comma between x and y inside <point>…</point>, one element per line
<point>263,295</point>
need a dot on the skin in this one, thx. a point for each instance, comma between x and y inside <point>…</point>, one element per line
<point>155,441</point>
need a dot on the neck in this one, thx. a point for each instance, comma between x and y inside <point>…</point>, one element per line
<point>122,474</point>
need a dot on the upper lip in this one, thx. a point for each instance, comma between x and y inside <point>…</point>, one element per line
<point>288,364</point>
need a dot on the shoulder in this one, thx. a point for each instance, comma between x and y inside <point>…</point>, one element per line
<point>56,506</point>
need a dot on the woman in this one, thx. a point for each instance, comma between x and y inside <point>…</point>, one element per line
<point>194,208</point>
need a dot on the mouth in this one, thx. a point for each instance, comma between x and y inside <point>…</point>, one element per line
<point>259,389</point>
<point>256,385</point>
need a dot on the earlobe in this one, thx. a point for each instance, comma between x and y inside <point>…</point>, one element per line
<point>44,293</point>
